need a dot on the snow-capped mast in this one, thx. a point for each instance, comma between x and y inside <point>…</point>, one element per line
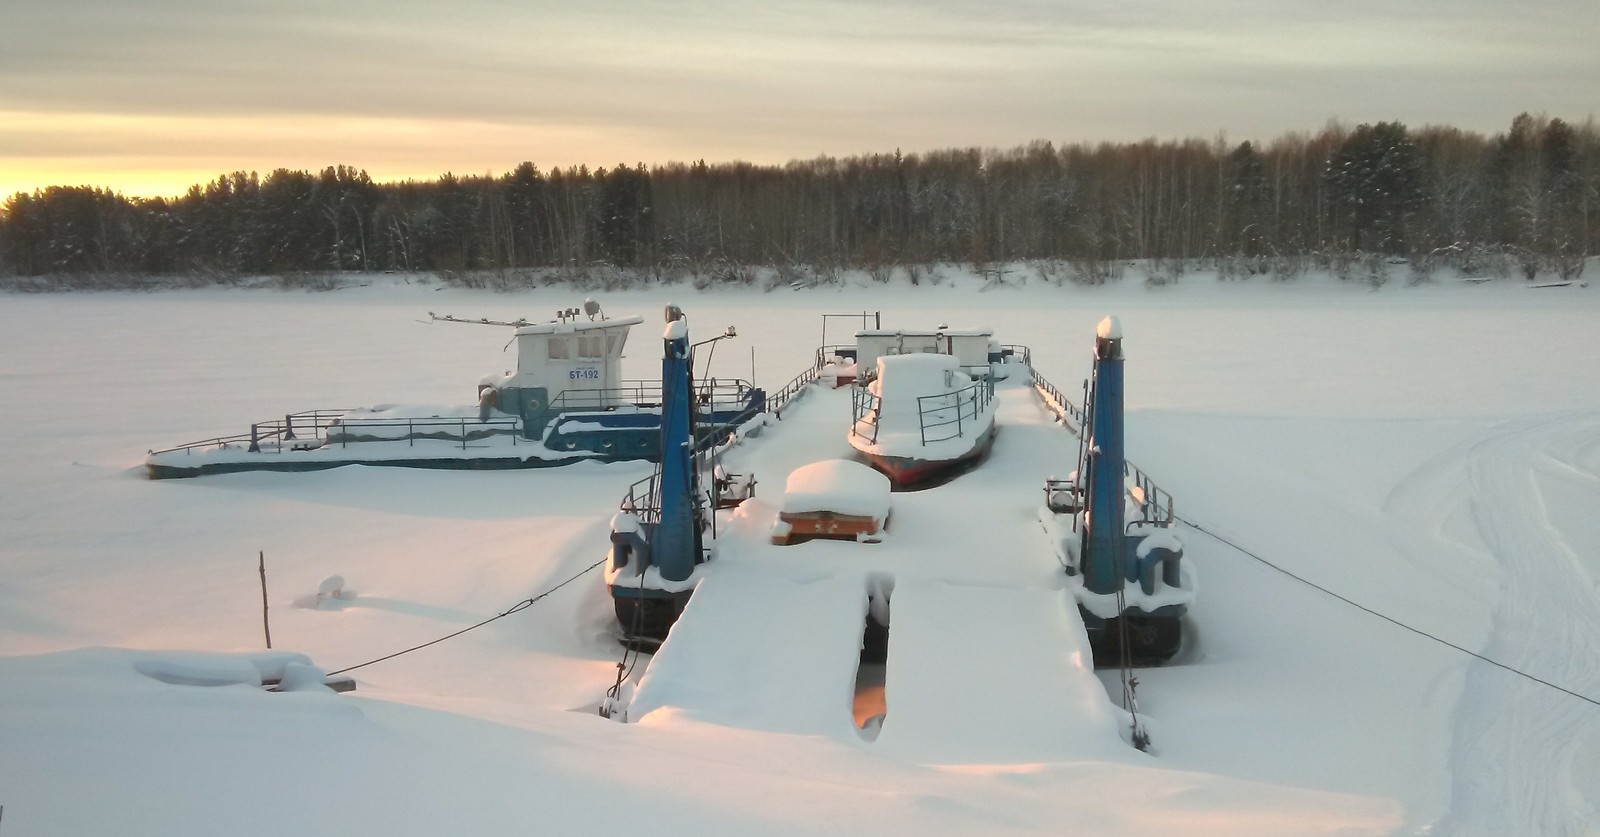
<point>1103,526</point>
<point>677,543</point>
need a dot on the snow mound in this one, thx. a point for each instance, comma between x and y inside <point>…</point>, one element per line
<point>837,485</point>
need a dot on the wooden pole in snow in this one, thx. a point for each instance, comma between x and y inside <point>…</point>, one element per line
<point>265,624</point>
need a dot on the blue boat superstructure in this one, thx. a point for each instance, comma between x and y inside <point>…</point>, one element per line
<point>566,402</point>
<point>1112,527</point>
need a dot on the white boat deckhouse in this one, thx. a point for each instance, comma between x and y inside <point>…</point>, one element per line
<point>564,365</point>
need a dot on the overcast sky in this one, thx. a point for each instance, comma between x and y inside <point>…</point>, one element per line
<point>149,96</point>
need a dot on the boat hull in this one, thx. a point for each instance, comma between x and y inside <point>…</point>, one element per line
<point>911,471</point>
<point>573,437</point>
<point>290,464</point>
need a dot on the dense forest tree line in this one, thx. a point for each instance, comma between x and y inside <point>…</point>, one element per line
<point>1343,199</point>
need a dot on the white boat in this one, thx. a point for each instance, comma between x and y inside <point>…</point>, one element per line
<point>920,415</point>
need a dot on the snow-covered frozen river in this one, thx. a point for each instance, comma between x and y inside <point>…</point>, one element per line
<point>1432,453</point>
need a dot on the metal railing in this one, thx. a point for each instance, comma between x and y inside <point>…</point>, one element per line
<point>1056,401</point>
<point>1065,496</point>
<point>317,428</point>
<point>791,390</point>
<point>943,410</point>
<point>311,423</point>
<point>345,433</point>
<point>797,385</point>
<point>1155,502</point>
<point>1018,350</point>
<point>641,392</point>
<point>864,407</point>
<point>967,404</point>
<point>643,499</point>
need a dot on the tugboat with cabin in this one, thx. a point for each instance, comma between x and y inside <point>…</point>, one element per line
<point>566,402</point>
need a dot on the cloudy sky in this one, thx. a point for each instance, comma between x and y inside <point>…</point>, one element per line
<point>148,97</point>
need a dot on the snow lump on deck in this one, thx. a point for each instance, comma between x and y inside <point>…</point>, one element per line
<point>837,485</point>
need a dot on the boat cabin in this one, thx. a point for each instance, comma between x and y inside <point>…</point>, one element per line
<point>974,348</point>
<point>571,364</point>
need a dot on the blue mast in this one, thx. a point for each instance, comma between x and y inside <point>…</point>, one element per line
<point>661,523</point>
<point>676,545</point>
<point>1103,541</point>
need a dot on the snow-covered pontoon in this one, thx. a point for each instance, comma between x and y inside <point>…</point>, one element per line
<point>566,402</point>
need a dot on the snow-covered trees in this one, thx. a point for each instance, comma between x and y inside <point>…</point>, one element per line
<point>1527,200</point>
<point>1376,188</point>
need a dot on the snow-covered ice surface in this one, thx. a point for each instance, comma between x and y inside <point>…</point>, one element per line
<point>1433,453</point>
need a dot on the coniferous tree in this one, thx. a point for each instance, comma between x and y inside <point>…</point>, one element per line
<point>1376,183</point>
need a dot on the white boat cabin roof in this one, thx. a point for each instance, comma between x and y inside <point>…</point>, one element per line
<point>574,326</point>
<point>971,345</point>
<point>925,332</point>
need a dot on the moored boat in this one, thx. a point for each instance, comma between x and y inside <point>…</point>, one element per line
<point>566,402</point>
<point>921,415</point>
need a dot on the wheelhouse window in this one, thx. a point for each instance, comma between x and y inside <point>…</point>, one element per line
<point>559,350</point>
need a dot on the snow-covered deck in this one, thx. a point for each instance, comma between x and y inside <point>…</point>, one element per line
<point>987,656</point>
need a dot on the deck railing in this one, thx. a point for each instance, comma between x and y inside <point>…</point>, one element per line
<point>1056,401</point>
<point>937,413</point>
<point>643,499</point>
<point>939,417</point>
<point>710,392</point>
<point>458,428</point>
<point>864,410</point>
<point>797,385</point>
<point>316,428</point>
<point>1154,502</point>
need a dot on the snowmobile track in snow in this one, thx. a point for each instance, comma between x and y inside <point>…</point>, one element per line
<point>1525,757</point>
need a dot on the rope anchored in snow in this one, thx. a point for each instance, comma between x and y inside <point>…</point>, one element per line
<point>1130,684</point>
<point>516,608</point>
<point>1391,620</point>
<point>617,697</point>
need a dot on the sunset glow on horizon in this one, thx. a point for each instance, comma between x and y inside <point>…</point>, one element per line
<point>150,100</point>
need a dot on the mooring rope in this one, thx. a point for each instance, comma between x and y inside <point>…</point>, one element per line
<point>1391,620</point>
<point>516,608</point>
